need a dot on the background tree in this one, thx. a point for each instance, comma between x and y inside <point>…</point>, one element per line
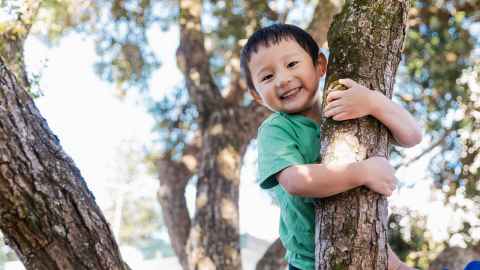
<point>49,217</point>
<point>440,32</point>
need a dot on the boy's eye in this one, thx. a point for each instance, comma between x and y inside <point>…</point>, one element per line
<point>266,77</point>
<point>292,64</point>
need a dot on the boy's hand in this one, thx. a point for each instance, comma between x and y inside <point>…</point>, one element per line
<point>354,102</point>
<point>378,175</point>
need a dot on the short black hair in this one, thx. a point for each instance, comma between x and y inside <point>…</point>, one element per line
<point>274,34</point>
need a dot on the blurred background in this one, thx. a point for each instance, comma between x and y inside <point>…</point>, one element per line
<point>104,76</point>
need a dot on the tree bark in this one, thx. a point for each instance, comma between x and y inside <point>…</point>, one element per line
<point>48,215</point>
<point>366,39</point>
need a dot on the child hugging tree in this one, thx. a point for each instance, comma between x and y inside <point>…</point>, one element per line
<point>283,66</point>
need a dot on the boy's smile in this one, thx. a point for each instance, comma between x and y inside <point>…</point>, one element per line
<point>286,78</point>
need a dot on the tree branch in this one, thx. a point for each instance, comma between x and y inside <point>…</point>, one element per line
<point>426,151</point>
<point>193,61</point>
<point>28,14</point>
<point>237,87</point>
<point>322,18</point>
<point>174,176</point>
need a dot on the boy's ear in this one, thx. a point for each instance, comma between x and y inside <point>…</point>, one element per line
<point>255,96</point>
<point>322,64</point>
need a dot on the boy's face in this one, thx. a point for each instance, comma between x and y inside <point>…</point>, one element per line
<point>285,77</point>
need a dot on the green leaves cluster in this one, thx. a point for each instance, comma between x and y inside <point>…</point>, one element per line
<point>438,62</point>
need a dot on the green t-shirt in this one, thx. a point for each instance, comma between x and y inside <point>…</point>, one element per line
<point>285,140</point>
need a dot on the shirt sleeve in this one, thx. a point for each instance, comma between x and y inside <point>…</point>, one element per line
<point>277,150</point>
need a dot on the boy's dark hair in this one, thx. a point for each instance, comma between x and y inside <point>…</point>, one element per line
<point>274,34</point>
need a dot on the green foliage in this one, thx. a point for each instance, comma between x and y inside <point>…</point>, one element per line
<point>121,29</point>
<point>175,121</point>
<point>434,79</point>
<point>126,57</point>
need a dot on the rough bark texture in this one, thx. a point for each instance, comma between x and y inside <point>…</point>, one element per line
<point>366,39</point>
<point>47,214</point>
<point>273,257</point>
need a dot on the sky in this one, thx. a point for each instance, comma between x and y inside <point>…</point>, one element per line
<point>92,123</point>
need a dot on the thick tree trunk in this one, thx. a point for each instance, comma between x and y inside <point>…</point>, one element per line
<point>214,241</point>
<point>47,214</point>
<point>366,39</point>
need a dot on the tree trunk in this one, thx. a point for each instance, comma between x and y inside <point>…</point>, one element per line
<point>214,241</point>
<point>48,215</point>
<point>366,39</point>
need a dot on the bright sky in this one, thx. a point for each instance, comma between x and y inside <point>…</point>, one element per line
<point>91,123</point>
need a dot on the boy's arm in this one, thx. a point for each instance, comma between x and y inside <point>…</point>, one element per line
<point>319,180</point>
<point>404,128</point>
<point>358,101</point>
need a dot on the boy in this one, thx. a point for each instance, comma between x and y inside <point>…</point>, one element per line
<point>283,67</point>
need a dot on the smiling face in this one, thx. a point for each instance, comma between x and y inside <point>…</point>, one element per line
<point>285,77</point>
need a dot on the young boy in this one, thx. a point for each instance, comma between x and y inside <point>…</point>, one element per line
<point>283,66</point>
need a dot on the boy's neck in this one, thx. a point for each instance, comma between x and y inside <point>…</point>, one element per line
<point>314,113</point>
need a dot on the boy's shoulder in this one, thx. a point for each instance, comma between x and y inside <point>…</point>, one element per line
<point>275,119</point>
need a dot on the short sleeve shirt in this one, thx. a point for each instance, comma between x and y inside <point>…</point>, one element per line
<point>285,140</point>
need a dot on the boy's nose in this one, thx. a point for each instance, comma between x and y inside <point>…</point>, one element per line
<point>283,80</point>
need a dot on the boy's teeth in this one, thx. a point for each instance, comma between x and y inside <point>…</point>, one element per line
<point>289,93</point>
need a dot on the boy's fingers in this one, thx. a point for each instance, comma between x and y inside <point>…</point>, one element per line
<point>332,104</point>
<point>347,82</point>
<point>333,111</point>
<point>340,117</point>
<point>334,95</point>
